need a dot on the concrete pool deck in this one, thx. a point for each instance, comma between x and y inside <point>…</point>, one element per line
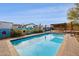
<point>6,49</point>
<point>70,46</point>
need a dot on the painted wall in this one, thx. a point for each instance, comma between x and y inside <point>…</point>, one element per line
<point>8,31</point>
<point>6,28</point>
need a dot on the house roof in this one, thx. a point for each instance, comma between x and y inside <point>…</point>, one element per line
<point>23,24</point>
<point>5,22</point>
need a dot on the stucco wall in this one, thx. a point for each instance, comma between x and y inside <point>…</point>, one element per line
<point>8,31</point>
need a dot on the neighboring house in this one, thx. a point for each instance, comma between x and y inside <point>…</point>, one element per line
<point>5,29</point>
<point>31,25</point>
<point>17,26</point>
<point>40,27</point>
<point>47,28</point>
<point>24,28</point>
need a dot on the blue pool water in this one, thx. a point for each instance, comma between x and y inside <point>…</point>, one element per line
<point>39,45</point>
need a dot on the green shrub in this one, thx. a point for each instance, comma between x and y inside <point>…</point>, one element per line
<point>37,31</point>
<point>16,33</point>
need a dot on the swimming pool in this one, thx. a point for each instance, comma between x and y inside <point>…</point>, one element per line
<point>39,45</point>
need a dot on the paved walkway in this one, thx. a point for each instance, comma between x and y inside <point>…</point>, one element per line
<point>70,46</point>
<point>6,49</point>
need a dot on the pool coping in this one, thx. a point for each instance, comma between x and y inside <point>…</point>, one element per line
<point>27,36</point>
<point>32,35</point>
<point>61,49</point>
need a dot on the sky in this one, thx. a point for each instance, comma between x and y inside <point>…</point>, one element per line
<point>37,13</point>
